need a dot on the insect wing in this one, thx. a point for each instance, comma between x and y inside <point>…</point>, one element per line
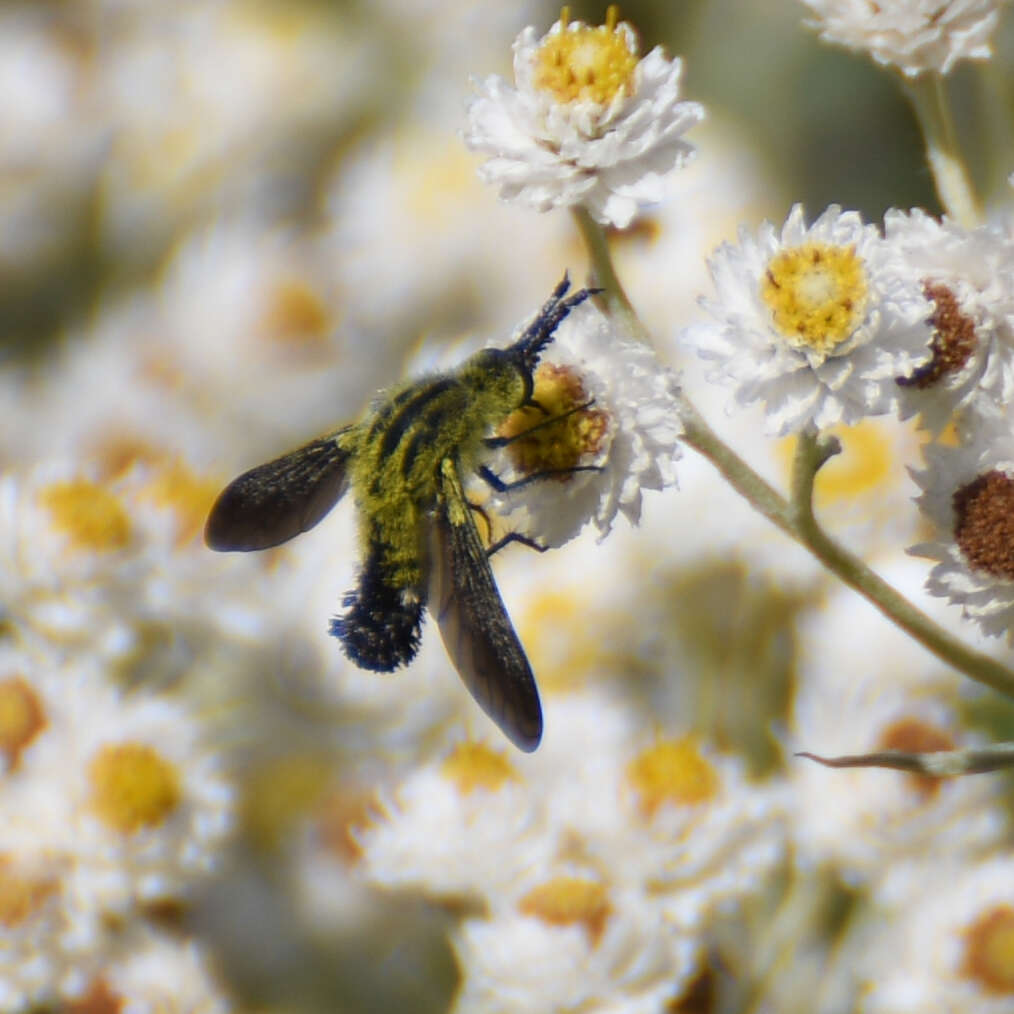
<point>474,624</point>
<point>274,502</point>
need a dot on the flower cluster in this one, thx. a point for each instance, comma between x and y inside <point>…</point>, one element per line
<point>218,240</point>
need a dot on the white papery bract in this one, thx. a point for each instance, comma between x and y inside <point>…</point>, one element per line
<point>629,431</point>
<point>586,123</point>
<point>811,322</point>
<point>912,35</point>
<point>969,277</point>
<point>968,494</point>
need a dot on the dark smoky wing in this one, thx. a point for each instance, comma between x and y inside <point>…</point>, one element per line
<point>274,502</point>
<point>474,624</point>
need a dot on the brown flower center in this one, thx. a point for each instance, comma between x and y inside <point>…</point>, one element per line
<point>954,339</point>
<point>984,524</point>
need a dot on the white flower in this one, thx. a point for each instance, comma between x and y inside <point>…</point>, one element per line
<point>969,278</point>
<point>569,941</point>
<point>106,803</point>
<point>968,494</point>
<point>141,797</point>
<point>616,410</point>
<point>912,35</point>
<point>810,323</point>
<point>463,826</point>
<point>587,123</point>
<point>111,563</point>
<point>675,816</point>
<point>942,940</point>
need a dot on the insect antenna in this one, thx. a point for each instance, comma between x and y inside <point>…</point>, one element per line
<point>539,333</point>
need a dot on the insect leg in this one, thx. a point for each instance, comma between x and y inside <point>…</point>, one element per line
<point>494,442</point>
<point>498,485</point>
<point>525,540</point>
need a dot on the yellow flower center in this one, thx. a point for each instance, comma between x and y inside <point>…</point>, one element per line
<point>569,901</point>
<point>99,999</point>
<point>22,892</point>
<point>584,64</point>
<point>555,440</point>
<point>672,773</point>
<point>89,515</point>
<point>473,766</point>
<point>817,295</point>
<point>22,716</point>
<point>989,951</point>
<point>296,314</point>
<point>187,495</point>
<point>133,787</point>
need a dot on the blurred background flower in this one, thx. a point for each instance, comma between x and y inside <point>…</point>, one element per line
<point>224,225</point>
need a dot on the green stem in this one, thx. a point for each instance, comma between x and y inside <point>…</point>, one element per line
<point>604,275</point>
<point>954,188</point>
<point>796,517</point>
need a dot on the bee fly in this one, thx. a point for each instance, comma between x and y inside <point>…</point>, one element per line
<point>405,461</point>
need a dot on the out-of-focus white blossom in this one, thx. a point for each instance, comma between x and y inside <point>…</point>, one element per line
<point>941,939</point>
<point>913,35</point>
<point>865,686</point>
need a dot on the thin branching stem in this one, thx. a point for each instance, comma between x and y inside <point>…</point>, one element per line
<point>954,187</point>
<point>795,516</point>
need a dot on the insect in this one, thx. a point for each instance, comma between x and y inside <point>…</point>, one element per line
<point>406,461</point>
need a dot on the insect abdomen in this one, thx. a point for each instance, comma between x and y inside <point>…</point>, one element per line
<point>382,623</point>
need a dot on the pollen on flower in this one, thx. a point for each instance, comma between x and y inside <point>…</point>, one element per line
<point>295,314</point>
<point>22,717</point>
<point>556,439</point>
<point>989,951</point>
<point>22,892</point>
<point>133,787</point>
<point>473,766</point>
<point>914,735</point>
<point>954,339</point>
<point>175,487</point>
<point>98,999</point>
<point>984,523</point>
<point>817,295</point>
<point>89,515</point>
<point>570,901</point>
<point>587,64</point>
<point>672,773</point>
